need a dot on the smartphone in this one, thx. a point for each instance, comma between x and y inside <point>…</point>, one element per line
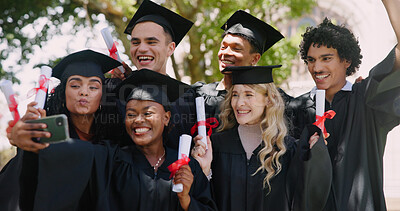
<point>57,125</point>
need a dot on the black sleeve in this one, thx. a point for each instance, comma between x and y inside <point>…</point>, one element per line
<point>200,193</point>
<point>310,173</point>
<point>63,173</point>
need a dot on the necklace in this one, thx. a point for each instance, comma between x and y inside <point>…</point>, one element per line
<point>158,162</point>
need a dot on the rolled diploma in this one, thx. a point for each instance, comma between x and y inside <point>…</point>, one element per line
<point>110,42</point>
<point>6,88</point>
<point>41,95</point>
<point>201,119</point>
<point>184,148</point>
<point>320,102</point>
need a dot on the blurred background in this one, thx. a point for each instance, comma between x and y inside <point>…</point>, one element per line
<point>36,32</point>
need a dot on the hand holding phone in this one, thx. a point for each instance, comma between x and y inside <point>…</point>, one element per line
<point>57,126</point>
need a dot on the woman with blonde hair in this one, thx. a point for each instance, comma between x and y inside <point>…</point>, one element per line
<point>251,153</point>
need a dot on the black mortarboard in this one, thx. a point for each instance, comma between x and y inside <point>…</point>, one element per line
<point>86,63</point>
<point>177,25</point>
<point>251,74</point>
<point>146,84</point>
<point>263,34</point>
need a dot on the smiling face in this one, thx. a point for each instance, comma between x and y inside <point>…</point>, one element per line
<point>248,105</point>
<point>83,94</point>
<point>326,68</point>
<point>145,121</point>
<point>150,47</point>
<point>235,51</point>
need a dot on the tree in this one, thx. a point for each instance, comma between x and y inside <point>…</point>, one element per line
<point>204,38</point>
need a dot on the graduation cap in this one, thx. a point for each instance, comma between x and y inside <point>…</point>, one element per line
<point>251,74</point>
<point>243,23</point>
<point>175,24</point>
<point>85,63</point>
<point>146,84</point>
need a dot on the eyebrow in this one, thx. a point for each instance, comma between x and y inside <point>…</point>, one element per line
<point>325,55</point>
<point>132,109</point>
<point>235,43</point>
<point>147,39</point>
<point>95,80</point>
<point>74,79</point>
<point>321,56</point>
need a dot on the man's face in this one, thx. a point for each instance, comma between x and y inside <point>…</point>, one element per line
<point>150,46</point>
<point>235,51</point>
<point>326,68</point>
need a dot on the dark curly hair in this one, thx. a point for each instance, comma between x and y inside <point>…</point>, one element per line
<point>333,36</point>
<point>107,122</point>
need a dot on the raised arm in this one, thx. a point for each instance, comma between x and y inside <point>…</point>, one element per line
<point>393,10</point>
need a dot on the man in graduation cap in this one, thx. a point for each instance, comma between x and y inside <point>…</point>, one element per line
<point>365,111</point>
<point>244,41</point>
<point>155,32</point>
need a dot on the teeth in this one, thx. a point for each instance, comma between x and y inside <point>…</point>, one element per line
<point>321,76</point>
<point>145,58</point>
<point>141,130</point>
<point>243,112</point>
<point>227,62</point>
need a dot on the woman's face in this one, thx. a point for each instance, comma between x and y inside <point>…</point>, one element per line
<point>248,104</point>
<point>145,121</point>
<point>83,94</point>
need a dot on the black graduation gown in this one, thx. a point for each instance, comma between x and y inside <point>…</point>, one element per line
<point>358,132</point>
<point>213,98</point>
<point>115,178</point>
<point>183,117</point>
<point>10,180</point>
<point>236,188</point>
<point>9,183</point>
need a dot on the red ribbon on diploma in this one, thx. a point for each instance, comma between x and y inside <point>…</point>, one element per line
<point>113,51</point>
<point>14,107</point>
<point>42,86</point>
<point>209,123</point>
<point>321,120</point>
<point>175,166</point>
<point>113,54</point>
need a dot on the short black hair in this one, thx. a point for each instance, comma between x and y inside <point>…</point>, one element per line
<point>333,36</point>
<point>253,43</point>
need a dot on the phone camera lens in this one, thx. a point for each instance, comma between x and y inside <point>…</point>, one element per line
<point>59,121</point>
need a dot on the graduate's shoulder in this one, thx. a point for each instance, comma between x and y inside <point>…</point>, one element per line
<point>302,101</point>
<point>224,138</point>
<point>203,89</point>
<point>286,97</point>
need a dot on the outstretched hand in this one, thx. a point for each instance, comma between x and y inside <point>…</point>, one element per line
<point>21,133</point>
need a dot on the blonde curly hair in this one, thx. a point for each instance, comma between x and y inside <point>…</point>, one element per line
<point>273,126</point>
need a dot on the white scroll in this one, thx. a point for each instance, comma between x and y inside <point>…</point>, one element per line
<point>184,148</point>
<point>320,102</point>
<point>6,88</point>
<point>112,48</point>
<point>201,119</point>
<point>44,78</point>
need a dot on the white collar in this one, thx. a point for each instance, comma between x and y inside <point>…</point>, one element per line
<point>220,85</point>
<point>347,87</point>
